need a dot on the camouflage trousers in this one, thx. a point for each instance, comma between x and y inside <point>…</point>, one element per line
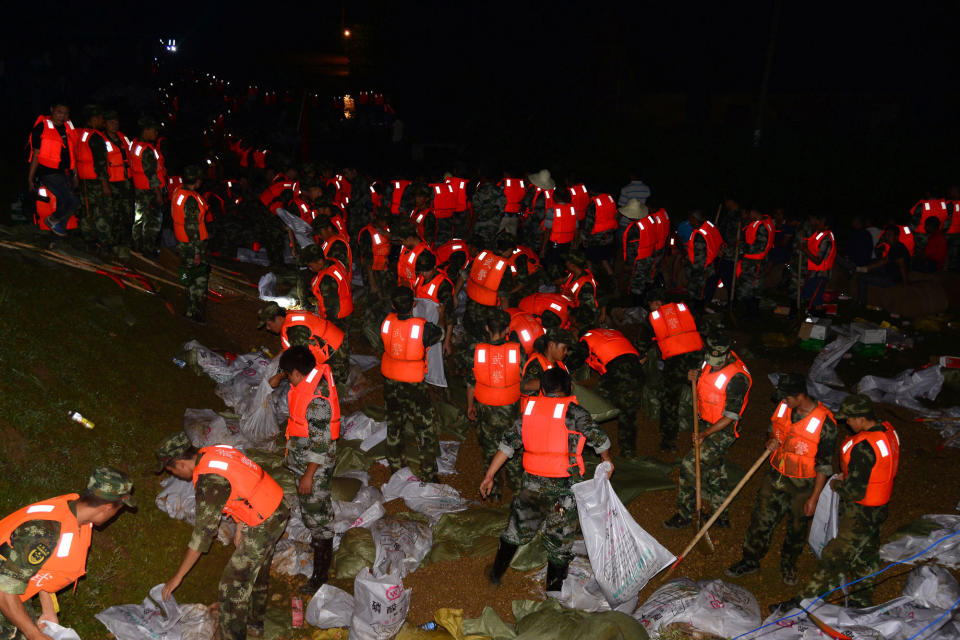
<point>245,581</point>
<point>713,473</point>
<point>316,509</point>
<point>642,275</point>
<point>411,416</point>
<point>485,232</point>
<point>669,389</point>
<point>96,223</point>
<point>195,278</point>
<point>626,394</point>
<point>779,497</point>
<point>121,206</point>
<point>492,423</point>
<point>546,501</point>
<point>853,554</point>
<point>748,282</point>
<point>147,221</point>
<point>697,279</point>
<point>339,362</point>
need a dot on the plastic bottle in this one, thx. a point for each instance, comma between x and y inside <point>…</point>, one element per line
<point>180,363</point>
<point>428,626</point>
<point>76,417</point>
<point>296,612</point>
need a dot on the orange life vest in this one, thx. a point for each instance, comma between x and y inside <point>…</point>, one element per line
<point>646,238</point>
<point>796,456</point>
<point>85,167</point>
<point>713,240</point>
<point>662,225</point>
<point>750,236</point>
<point>886,447</point>
<point>538,303</point>
<point>140,179</point>
<point>496,369</point>
<point>813,243</point>
<point>300,396</point>
<point>46,204</point>
<point>459,186</point>
<point>376,198</point>
<point>177,212</point>
<point>254,495</point>
<point>327,246</point>
<point>570,289</point>
<point>404,356</point>
<point>280,184</point>
<point>444,200</point>
<point>68,562</point>
<point>486,273</point>
<point>533,260</point>
<point>580,199</point>
<point>430,290</point>
<point>418,218</point>
<point>546,448</point>
<point>340,275</point>
<point>329,333</point>
<point>547,201</point>
<point>51,143</point>
<point>117,158</point>
<point>564,226</point>
<point>407,265</point>
<point>676,330</point>
<point>514,190</point>
<point>605,216</point>
<point>399,186</point>
<point>447,249</point>
<point>712,389</point>
<point>606,345</point>
<point>954,219</point>
<point>527,327</point>
<point>379,246</point>
<point>545,364</point>
<point>930,209</point>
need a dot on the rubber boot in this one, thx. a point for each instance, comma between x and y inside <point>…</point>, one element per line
<point>501,562</point>
<point>556,574</point>
<point>322,556</point>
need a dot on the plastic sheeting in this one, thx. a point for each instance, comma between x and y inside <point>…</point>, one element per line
<point>932,586</point>
<point>823,527</point>
<point>921,534</point>
<point>267,288</point>
<point>400,544</point>
<point>549,621</point>
<point>157,619</point>
<point>428,498</point>
<point>330,608</point>
<point>906,388</point>
<point>709,606</point>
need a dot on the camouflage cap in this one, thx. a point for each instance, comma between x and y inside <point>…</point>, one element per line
<point>111,114</point>
<point>717,348</point>
<point>192,173</point>
<point>111,484</point>
<point>855,406</point>
<point>426,261</point>
<point>310,253</point>
<point>560,336</point>
<point>790,384</point>
<point>269,311</point>
<point>147,122</point>
<point>174,446</point>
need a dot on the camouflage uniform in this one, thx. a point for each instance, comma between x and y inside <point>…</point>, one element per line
<point>385,279</point>
<point>587,312</point>
<point>339,360</point>
<point>194,277</point>
<point>669,388</point>
<point>148,218</point>
<point>330,293</point>
<point>549,501</point>
<point>488,203</point>
<point>95,225</point>
<point>245,581</point>
<point>475,317</point>
<point>804,231</point>
<point>493,422</point>
<point>643,270</point>
<point>751,274</point>
<point>119,207</point>
<point>622,386</point>
<point>410,415</point>
<point>530,227</point>
<point>524,281</point>
<point>597,244</point>
<point>698,273</point>
<point>315,507</point>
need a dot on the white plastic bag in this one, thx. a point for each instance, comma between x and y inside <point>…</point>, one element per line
<point>330,608</point>
<point>158,619</point>
<point>401,545</point>
<point>823,528</point>
<point>905,389</point>
<point>381,606</point>
<point>946,553</point>
<point>430,311</point>
<point>301,229</point>
<point>623,555</point>
<point>210,362</point>
<point>822,379</point>
<point>429,498</point>
<point>358,426</point>
<point>365,508</point>
<point>711,606</point>
<point>932,586</point>
<point>56,632</point>
<point>447,462</point>
<point>206,428</point>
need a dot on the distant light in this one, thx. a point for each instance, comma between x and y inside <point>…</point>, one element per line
<point>208,161</point>
<point>346,33</point>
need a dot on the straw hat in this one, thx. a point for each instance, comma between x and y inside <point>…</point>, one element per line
<point>634,210</point>
<point>542,179</point>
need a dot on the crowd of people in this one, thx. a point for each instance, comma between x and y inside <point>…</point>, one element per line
<point>506,281</point>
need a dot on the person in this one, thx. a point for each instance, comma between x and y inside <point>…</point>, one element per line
<point>859,244</point>
<point>312,432</point>
<point>409,411</point>
<point>94,181</point>
<point>149,173</point>
<point>869,460</point>
<point>730,224</point>
<point>890,270</point>
<point>488,287</point>
<point>334,245</point>
<point>229,483</point>
<point>639,248</point>
<point>536,205</point>
<point>934,257</point>
<point>525,328</point>
<point>434,302</point>
<point>330,287</point>
<point>119,203</point>
<point>43,549</point>
<point>820,250</point>
<point>412,245</point>
<point>703,248</point>
<point>600,226</point>
<point>637,190</point>
<point>489,202</point>
<point>680,347</point>
<point>188,210</point>
<point>493,395</point>
<point>560,232</point>
<point>580,287</point>
<point>326,341</point>
<point>723,389</point>
<point>53,163</point>
<point>805,435</point>
<point>549,351</point>
<point>373,242</point>
<point>424,213</point>
<point>549,438</point>
<point>758,239</point>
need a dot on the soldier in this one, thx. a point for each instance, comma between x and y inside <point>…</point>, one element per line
<point>560,233</point>
<point>149,175</point>
<point>330,287</point>
<point>423,215</point>
<point>326,341</point>
<point>333,244</point>
<point>549,351</point>
<point>550,435</point>
<point>600,231</point>
<point>757,241</point>
<point>527,275</point>
<point>94,181</point>
<point>493,395</point>
<point>312,432</point>
<point>723,388</point>
<point>434,303</point>
<point>580,287</point>
<point>189,211</point>
<point>639,248</point>
<point>43,549</point>
<point>868,462</point>
<point>489,202</point>
<point>373,242</point>
<point>119,204</point>
<point>819,252</point>
<point>703,248</point>
<point>806,437</point>
<point>53,162</point>
<point>229,483</point>
<point>410,413</point>
<point>489,285</point>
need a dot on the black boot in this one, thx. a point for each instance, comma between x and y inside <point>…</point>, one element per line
<point>322,556</point>
<point>501,562</point>
<point>556,574</point>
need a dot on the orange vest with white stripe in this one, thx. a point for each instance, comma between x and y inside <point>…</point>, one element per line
<point>954,219</point>
<point>51,144</point>
<point>662,225</point>
<point>446,250</point>
<point>570,289</point>
<point>379,246</point>
<point>646,238</point>
<point>117,162</point>
<point>904,236</point>
<point>178,203</point>
<point>930,209</point>
<point>404,356</point>
<point>444,200</point>
<point>342,278</point>
<point>430,290</point>
<point>526,326</point>
<point>459,186</point>
<point>329,333</point>
<point>300,396</point>
<point>676,330</point>
<point>85,167</point>
<point>606,345</point>
<point>580,199</point>
<point>254,495</point>
<point>796,455</point>
<point>813,244</point>
<point>514,190</point>
<point>605,213</point>
<point>399,186</point>
<point>547,201</point>
<point>546,444</point>
<point>486,273</point>
<point>140,179</point>
<point>496,369</point>
<point>714,242</point>
<point>564,226</point>
<point>328,245</point>
<point>539,303</point>
<point>750,236</point>
<point>886,447</point>
<point>68,562</point>
<point>407,265</point>
<point>533,260</point>
<point>712,389</point>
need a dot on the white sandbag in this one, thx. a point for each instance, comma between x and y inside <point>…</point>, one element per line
<point>823,528</point>
<point>329,608</point>
<point>365,509</point>
<point>401,545</point>
<point>932,586</point>
<point>156,619</point>
<point>624,556</point>
<point>381,606</point>
<point>178,499</point>
<point>429,498</point>
<point>580,589</point>
<point>206,428</point>
<point>210,362</point>
<point>358,426</point>
<point>364,362</point>
<point>447,462</point>
<point>376,437</point>
<point>822,379</point>
<point>300,227</point>
<point>249,370</point>
<point>906,388</point>
<point>292,558</point>
<point>259,422</point>
<point>267,288</point>
<point>56,632</point>
<point>946,553</point>
<point>710,606</point>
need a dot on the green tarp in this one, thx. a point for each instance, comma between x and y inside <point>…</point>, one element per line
<point>549,621</point>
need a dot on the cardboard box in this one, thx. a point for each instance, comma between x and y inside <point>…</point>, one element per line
<point>813,331</point>
<point>869,333</point>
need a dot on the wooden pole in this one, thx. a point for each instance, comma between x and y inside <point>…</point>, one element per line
<point>696,459</point>
<point>716,514</point>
